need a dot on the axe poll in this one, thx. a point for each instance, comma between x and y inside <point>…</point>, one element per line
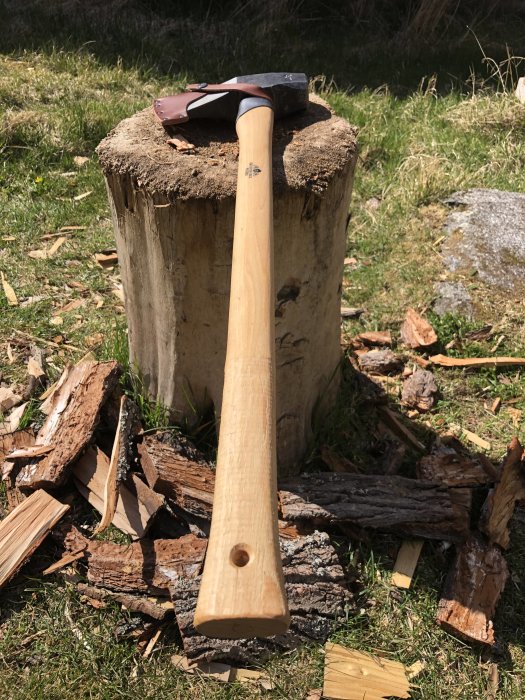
<point>242,589</point>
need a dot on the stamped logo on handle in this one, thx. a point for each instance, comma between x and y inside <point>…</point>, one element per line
<point>252,170</point>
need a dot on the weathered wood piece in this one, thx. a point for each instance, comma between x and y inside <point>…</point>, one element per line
<point>316,591</point>
<point>73,416</point>
<point>472,590</point>
<point>445,465</point>
<point>146,566</point>
<point>24,529</point>
<point>180,472</point>
<point>445,361</point>
<point>375,337</point>
<point>406,562</point>
<point>380,362</point>
<point>394,422</point>
<point>178,223</point>
<point>419,390</point>
<point>354,675</point>
<point>407,507</point>
<point>136,505</point>
<point>8,443</point>
<point>416,332</point>
<point>510,489</point>
<point>336,462</point>
<point>158,608</point>
<point>128,426</point>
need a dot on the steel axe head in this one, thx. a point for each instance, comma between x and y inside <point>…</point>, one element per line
<point>287,92</point>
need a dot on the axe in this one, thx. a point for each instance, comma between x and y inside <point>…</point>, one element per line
<point>242,589</point>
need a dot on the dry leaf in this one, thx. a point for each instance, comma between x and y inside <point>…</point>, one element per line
<point>82,196</point>
<point>79,161</point>
<point>9,291</point>
<point>56,321</point>
<point>93,340</point>
<point>72,228</point>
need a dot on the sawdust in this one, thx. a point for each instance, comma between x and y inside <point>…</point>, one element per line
<point>308,149</point>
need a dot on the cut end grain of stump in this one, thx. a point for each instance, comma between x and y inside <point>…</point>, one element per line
<point>34,517</point>
<point>416,332</point>
<point>354,675</point>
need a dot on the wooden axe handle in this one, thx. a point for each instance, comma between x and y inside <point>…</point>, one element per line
<point>242,590</point>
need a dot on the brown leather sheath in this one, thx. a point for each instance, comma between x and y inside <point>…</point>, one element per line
<point>174,109</point>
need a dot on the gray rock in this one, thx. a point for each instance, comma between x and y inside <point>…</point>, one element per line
<point>486,233</point>
<point>453,298</point>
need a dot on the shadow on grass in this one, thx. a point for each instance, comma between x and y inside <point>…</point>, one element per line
<point>201,42</point>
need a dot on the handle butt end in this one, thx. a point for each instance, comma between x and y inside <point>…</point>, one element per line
<point>236,627</point>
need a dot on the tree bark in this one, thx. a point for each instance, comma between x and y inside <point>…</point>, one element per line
<point>316,591</point>
<point>472,591</point>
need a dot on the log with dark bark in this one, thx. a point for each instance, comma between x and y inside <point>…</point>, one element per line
<point>180,472</point>
<point>316,591</point>
<point>499,506</point>
<point>472,591</point>
<point>158,608</point>
<point>146,566</point>
<point>407,507</point>
<point>71,420</point>
<point>446,465</point>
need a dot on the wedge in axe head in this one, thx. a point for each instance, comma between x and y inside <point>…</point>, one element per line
<point>242,589</point>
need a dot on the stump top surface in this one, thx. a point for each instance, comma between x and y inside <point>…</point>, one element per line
<point>309,148</point>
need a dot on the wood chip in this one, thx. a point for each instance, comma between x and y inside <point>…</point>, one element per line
<point>79,197</point>
<point>64,229</point>
<point>395,423</point>
<point>499,506</point>
<point>56,245</point>
<point>351,312</point>
<point>80,161</point>
<point>106,258</point>
<point>9,291</point>
<point>493,674</point>
<point>213,669</point>
<point>416,332</point>
<point>10,354</point>
<point>71,306</point>
<point>515,414</point>
<point>495,406</point>
<point>406,563</point>
<point>10,425</point>
<point>8,399</point>
<point>354,675</point>
<point>419,390</point>
<point>180,143</point>
<point>472,590</point>
<point>471,437</point>
<point>35,517</point>
<point>64,561</point>
<point>445,361</point>
<point>375,337</point>
<point>137,504</point>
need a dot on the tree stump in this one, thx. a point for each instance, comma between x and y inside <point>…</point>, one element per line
<point>173,215</point>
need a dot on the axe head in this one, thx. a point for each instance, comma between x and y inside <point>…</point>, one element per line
<point>288,93</point>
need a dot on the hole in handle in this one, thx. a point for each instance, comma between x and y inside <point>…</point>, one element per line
<point>239,556</point>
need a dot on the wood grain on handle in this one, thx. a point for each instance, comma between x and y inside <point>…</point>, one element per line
<point>242,589</point>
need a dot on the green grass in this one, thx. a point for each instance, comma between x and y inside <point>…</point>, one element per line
<point>414,150</point>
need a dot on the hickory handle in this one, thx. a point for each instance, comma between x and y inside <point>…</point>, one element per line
<point>242,589</point>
